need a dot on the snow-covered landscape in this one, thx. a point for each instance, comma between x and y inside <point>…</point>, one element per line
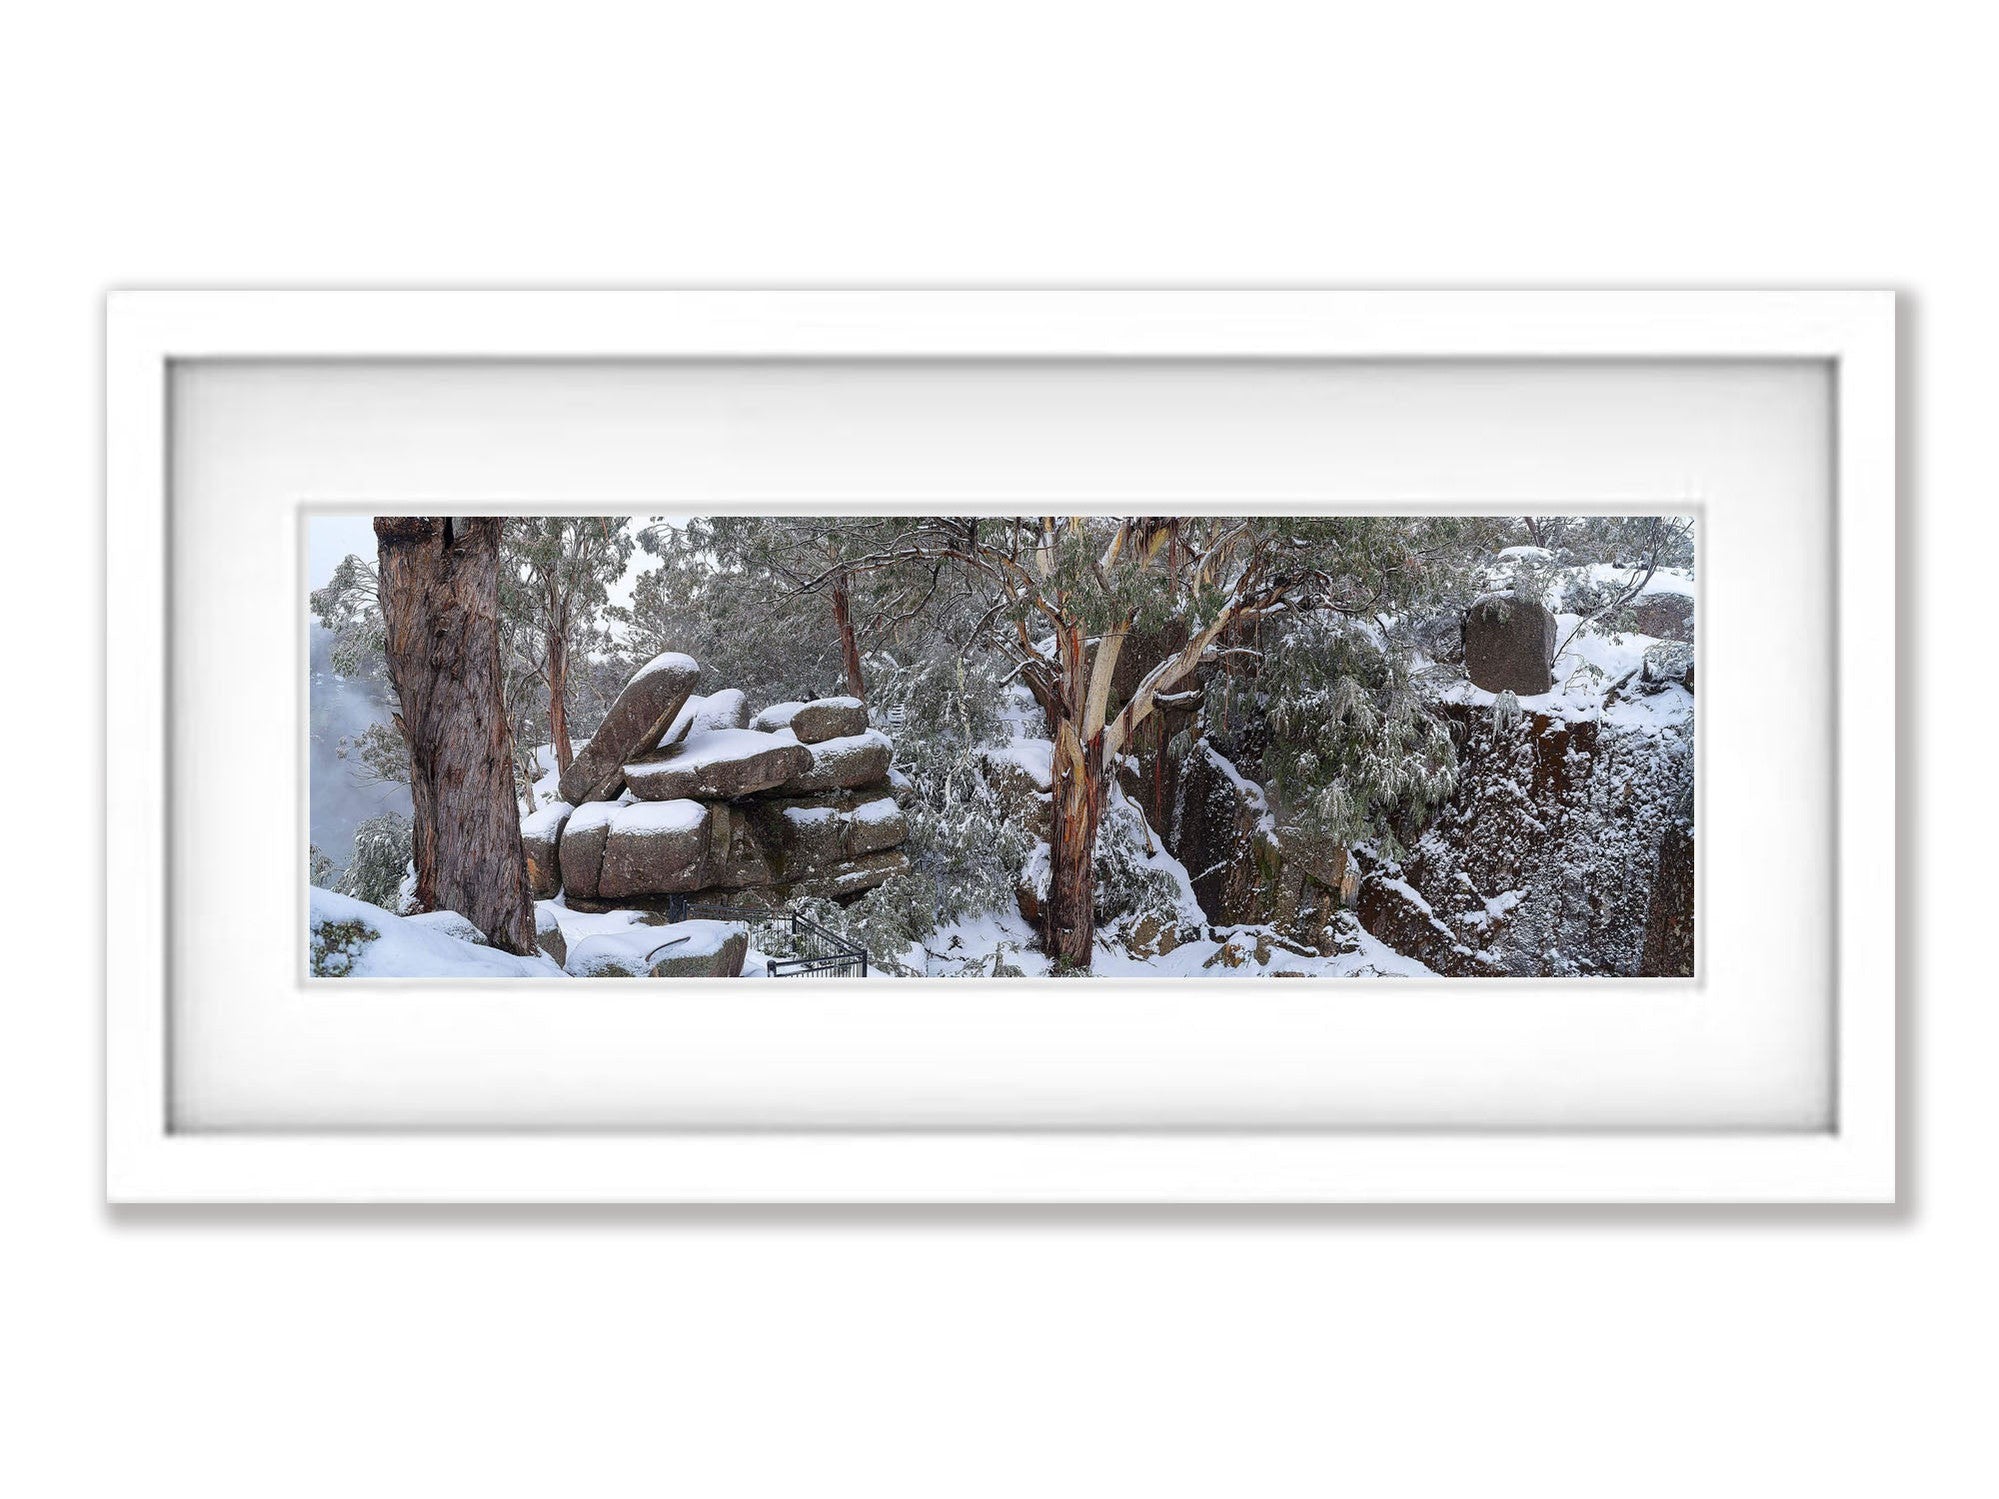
<point>929,747</point>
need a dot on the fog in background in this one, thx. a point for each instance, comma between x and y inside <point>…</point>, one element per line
<point>340,798</point>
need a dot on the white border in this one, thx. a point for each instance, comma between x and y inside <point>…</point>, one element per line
<point>1855,331</point>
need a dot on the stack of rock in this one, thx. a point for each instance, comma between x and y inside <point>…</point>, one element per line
<point>679,796</point>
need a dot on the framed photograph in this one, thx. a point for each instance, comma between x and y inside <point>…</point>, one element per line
<point>1001,747</point>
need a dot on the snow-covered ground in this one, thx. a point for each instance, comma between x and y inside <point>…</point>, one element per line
<point>1591,664</point>
<point>352,939</point>
<point>1590,661</point>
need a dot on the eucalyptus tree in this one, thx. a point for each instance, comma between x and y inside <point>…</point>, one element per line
<point>1079,604</point>
<point>554,586</point>
<point>439,588</point>
<point>813,615</point>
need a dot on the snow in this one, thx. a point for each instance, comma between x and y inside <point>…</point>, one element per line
<point>1595,678</point>
<point>543,823</point>
<point>718,710</point>
<point>1679,580</point>
<point>635,948</point>
<point>727,747</point>
<point>1035,756</point>
<point>548,780</point>
<point>576,925</point>
<point>672,661</point>
<point>833,751</point>
<point>592,815</point>
<point>874,813</point>
<point>1251,793</point>
<point>450,923</point>
<point>410,947</point>
<point>779,715</point>
<point>651,818</point>
<point>1495,907</point>
<point>1591,662</point>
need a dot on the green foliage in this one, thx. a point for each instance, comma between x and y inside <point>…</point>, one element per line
<point>319,869</point>
<point>555,576</point>
<point>1126,885</point>
<point>350,606</point>
<point>1353,747</point>
<point>336,947</point>
<point>1529,576</point>
<point>379,754</point>
<point>381,853</point>
<point>746,631</point>
<point>966,849</point>
<point>556,572</point>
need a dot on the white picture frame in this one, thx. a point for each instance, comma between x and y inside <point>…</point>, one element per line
<point>1851,1159</point>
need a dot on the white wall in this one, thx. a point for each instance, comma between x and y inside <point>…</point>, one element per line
<point>1003,1353</point>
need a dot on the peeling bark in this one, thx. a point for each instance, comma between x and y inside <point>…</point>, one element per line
<point>1071,934</point>
<point>440,604</point>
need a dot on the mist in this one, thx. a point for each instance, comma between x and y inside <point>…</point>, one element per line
<point>341,799</point>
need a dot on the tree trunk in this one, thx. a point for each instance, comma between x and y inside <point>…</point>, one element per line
<point>1071,934</point>
<point>440,604</point>
<point>558,698</point>
<point>423,833</point>
<point>850,649</point>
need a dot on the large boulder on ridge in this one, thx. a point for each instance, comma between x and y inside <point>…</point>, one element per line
<point>808,836</point>
<point>842,764</point>
<point>644,711</point>
<point>1509,645</point>
<point>817,721</point>
<point>541,841</point>
<point>655,848</point>
<point>727,709</point>
<point>1669,920</point>
<point>581,851</point>
<point>719,765</point>
<point>1666,616</point>
<point>687,949</point>
<point>634,853</point>
<point>611,849</point>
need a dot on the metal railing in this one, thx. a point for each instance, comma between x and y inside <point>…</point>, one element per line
<point>680,908</point>
<point>817,951</point>
<point>821,954</point>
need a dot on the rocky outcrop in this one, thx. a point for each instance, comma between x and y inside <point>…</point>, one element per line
<point>1509,642</point>
<point>1216,820</point>
<point>714,811</point>
<point>638,720</point>
<point>541,837</point>
<point>1668,951</point>
<point>548,934</point>
<point>719,765</point>
<point>581,855</point>
<point>690,949</point>
<point>727,709</point>
<point>1399,914</point>
<point>654,848</point>
<point>817,721</point>
<point>1666,616</point>
<point>1552,854</point>
<point>842,764</point>
<point>1668,662</point>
